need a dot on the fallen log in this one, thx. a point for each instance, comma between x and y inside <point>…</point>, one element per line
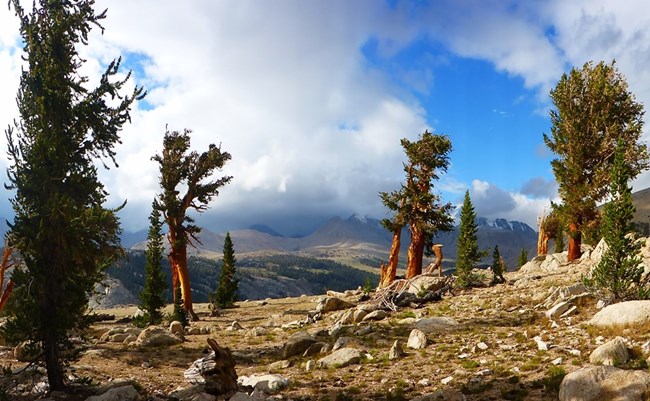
<point>402,292</point>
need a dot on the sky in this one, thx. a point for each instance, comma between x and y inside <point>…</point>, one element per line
<point>311,98</point>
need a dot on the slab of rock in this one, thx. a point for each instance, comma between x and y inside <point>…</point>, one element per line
<point>611,353</point>
<point>596,383</point>
<point>340,358</point>
<point>297,344</point>
<point>375,315</point>
<point>557,310</point>
<point>622,313</point>
<point>331,304</point>
<point>123,393</point>
<point>265,383</point>
<point>417,339</point>
<point>421,284</point>
<point>341,342</point>
<point>432,324</point>
<point>154,336</point>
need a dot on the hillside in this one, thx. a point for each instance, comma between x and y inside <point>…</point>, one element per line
<point>506,342</point>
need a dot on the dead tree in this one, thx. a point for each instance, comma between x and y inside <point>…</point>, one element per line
<point>437,265</point>
<point>216,371</point>
<point>7,263</point>
<point>542,236</point>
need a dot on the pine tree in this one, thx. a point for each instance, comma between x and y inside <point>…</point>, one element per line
<point>180,167</point>
<point>468,254</point>
<point>151,298</point>
<point>61,229</point>
<point>618,274</point>
<point>523,258</point>
<point>226,293</point>
<point>180,313</point>
<point>497,267</point>
<point>415,204</point>
<point>593,110</point>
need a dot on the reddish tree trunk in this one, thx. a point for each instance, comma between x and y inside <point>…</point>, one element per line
<point>437,265</point>
<point>575,240</point>
<point>181,275</point>
<point>390,271</point>
<point>415,252</point>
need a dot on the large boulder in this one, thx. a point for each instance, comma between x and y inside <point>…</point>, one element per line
<point>432,324</point>
<point>154,336</point>
<point>297,344</point>
<point>340,358</point>
<point>331,304</point>
<point>423,284</point>
<point>417,339</point>
<point>611,353</point>
<point>630,313</point>
<point>596,383</point>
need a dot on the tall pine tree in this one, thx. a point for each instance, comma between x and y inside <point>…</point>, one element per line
<point>618,274</point>
<point>523,258</point>
<point>61,229</point>
<point>468,254</point>
<point>226,293</point>
<point>152,296</point>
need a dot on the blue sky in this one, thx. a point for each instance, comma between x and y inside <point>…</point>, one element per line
<point>312,98</point>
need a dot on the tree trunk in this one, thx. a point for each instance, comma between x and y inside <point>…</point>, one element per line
<point>437,265</point>
<point>181,276</point>
<point>415,252</point>
<point>575,240</point>
<point>390,271</point>
<point>52,355</point>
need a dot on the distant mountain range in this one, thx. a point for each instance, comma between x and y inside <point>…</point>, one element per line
<point>361,241</point>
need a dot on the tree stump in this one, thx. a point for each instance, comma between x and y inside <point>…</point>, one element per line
<point>216,371</point>
<point>437,265</point>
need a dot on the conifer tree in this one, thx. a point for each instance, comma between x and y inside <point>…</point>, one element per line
<point>618,274</point>
<point>180,167</point>
<point>226,294</point>
<point>468,254</point>
<point>497,267</point>
<point>151,298</point>
<point>415,204</point>
<point>62,231</point>
<point>593,110</point>
<point>523,257</point>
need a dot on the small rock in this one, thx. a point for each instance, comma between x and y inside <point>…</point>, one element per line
<point>297,344</point>
<point>284,364</point>
<point>557,361</point>
<point>396,351</point>
<point>571,311</point>
<point>417,339</point>
<point>375,315</point>
<point>424,382</point>
<point>433,324</point>
<point>599,340</point>
<point>446,380</point>
<point>557,310</point>
<point>482,346</point>
<point>341,342</point>
<point>611,353</point>
<point>358,315</point>
<point>157,336</point>
<point>310,365</point>
<point>234,326</point>
<point>123,393</point>
<point>331,304</point>
<point>265,383</point>
<point>541,345</point>
<point>575,352</point>
<point>484,372</point>
<point>176,328</point>
<point>341,358</point>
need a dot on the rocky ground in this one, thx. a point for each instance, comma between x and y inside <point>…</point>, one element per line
<point>513,341</point>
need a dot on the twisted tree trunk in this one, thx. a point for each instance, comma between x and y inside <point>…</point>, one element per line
<point>389,272</point>
<point>575,240</point>
<point>180,273</point>
<point>415,252</point>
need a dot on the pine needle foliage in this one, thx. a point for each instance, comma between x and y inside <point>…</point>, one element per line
<point>62,231</point>
<point>226,294</point>
<point>152,296</point>
<point>468,254</point>
<point>618,274</point>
